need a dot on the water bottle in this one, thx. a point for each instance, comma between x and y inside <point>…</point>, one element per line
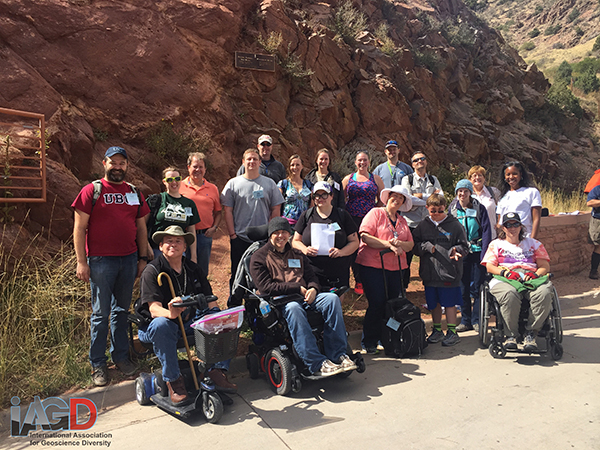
<point>269,319</point>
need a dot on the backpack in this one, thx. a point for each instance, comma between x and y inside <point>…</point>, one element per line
<point>98,191</point>
<point>492,194</point>
<point>411,177</point>
<point>403,331</point>
<point>154,201</point>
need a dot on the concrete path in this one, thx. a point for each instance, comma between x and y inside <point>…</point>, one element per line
<point>452,398</point>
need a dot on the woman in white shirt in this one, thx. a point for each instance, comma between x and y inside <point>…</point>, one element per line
<point>519,195</point>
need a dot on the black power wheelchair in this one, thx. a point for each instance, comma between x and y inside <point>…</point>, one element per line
<point>493,336</point>
<point>272,351</point>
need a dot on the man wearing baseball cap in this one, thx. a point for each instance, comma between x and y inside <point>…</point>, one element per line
<point>110,240</point>
<point>279,269</point>
<point>392,171</point>
<point>269,166</point>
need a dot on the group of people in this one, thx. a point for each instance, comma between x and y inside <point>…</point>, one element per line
<point>319,226</point>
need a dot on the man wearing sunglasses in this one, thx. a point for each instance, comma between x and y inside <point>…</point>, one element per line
<point>420,184</point>
<point>269,166</point>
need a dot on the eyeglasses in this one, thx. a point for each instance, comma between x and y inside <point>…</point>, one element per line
<point>437,211</point>
<point>266,144</point>
<point>323,196</point>
<point>422,158</point>
<point>171,179</point>
<point>511,225</point>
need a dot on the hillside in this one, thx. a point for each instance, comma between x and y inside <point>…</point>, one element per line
<point>430,74</point>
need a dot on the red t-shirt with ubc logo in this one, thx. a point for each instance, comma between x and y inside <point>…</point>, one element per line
<point>112,228</point>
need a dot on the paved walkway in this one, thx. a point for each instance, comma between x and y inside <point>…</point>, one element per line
<point>452,398</point>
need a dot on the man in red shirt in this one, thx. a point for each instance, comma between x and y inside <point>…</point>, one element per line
<point>110,240</point>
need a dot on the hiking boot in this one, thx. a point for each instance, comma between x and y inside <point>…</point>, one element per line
<point>475,327</point>
<point>510,343</point>
<point>529,344</point>
<point>177,391</point>
<point>463,327</point>
<point>127,367</point>
<point>220,379</point>
<point>594,275</point>
<point>435,337</point>
<point>358,289</point>
<point>100,375</point>
<point>450,339</point>
<point>371,350</point>
<point>328,369</point>
<point>347,364</point>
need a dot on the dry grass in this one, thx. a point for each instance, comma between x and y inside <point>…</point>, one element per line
<point>557,201</point>
<point>548,58</point>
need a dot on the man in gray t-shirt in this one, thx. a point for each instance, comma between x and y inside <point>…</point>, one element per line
<point>250,199</point>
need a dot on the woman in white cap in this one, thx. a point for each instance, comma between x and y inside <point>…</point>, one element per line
<point>473,216</point>
<point>322,221</point>
<point>383,228</point>
<point>295,191</point>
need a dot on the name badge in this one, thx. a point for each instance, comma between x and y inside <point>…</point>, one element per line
<point>188,211</point>
<point>470,212</point>
<point>258,194</point>
<point>336,186</point>
<point>393,324</point>
<point>294,263</point>
<point>132,198</point>
<point>334,226</point>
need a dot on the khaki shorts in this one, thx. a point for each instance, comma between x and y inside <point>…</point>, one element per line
<point>594,231</point>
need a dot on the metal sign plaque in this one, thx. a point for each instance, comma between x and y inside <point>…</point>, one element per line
<point>255,61</point>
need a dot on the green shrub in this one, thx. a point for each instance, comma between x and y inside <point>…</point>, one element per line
<point>560,96</point>
<point>100,135</point>
<point>564,71</point>
<point>458,35</point>
<point>171,145</point>
<point>477,5</point>
<point>552,30</point>
<point>587,64</point>
<point>534,33</point>
<point>587,81</point>
<point>558,46</point>
<point>596,46</point>
<point>431,60</point>
<point>578,31</point>
<point>574,14</point>
<point>348,22</point>
<point>272,43</point>
<point>527,46</point>
<point>538,9</point>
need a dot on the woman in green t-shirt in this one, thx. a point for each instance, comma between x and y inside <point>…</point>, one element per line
<point>171,208</point>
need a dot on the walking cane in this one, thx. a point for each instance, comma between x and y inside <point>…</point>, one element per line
<point>185,341</point>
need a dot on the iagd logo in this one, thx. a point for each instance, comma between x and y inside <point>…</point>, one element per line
<point>51,414</point>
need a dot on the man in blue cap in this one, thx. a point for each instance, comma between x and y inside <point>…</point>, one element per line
<point>110,240</point>
<point>392,171</point>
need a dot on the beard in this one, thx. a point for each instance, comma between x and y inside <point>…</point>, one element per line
<point>116,175</point>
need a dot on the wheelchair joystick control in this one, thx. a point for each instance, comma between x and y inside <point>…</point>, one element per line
<point>269,319</point>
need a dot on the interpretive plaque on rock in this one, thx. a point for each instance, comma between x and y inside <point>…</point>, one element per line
<point>254,61</point>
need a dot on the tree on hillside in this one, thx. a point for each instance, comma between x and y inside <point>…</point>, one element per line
<point>596,46</point>
<point>564,71</point>
<point>561,97</point>
<point>587,81</point>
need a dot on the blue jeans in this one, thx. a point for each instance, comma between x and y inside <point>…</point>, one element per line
<point>334,334</point>
<point>471,280</point>
<point>111,283</point>
<point>203,248</point>
<point>163,334</point>
<point>375,293</point>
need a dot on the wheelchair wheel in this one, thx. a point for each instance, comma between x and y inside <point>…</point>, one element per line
<point>212,407</point>
<point>296,385</point>
<point>497,350</point>
<point>556,351</point>
<point>556,317</point>
<point>252,364</point>
<point>279,371</point>
<point>143,388</point>
<point>484,317</point>
<point>360,364</point>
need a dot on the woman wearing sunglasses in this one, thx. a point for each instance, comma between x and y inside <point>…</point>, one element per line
<point>331,264</point>
<point>520,266</point>
<point>171,208</point>
<point>383,228</point>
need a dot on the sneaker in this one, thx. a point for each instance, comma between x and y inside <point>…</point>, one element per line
<point>594,275</point>
<point>358,289</point>
<point>463,327</point>
<point>100,375</point>
<point>328,369</point>
<point>127,367</point>
<point>529,344</point>
<point>221,382</point>
<point>435,337</point>
<point>510,343</point>
<point>476,327</point>
<point>450,339</point>
<point>371,350</point>
<point>347,364</point>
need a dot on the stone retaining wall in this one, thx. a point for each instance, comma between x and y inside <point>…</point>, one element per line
<point>565,238</point>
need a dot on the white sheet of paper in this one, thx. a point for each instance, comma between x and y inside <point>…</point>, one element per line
<point>322,238</point>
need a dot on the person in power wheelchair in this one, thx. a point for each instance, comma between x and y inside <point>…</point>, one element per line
<point>278,269</point>
<point>157,302</point>
<point>520,268</point>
